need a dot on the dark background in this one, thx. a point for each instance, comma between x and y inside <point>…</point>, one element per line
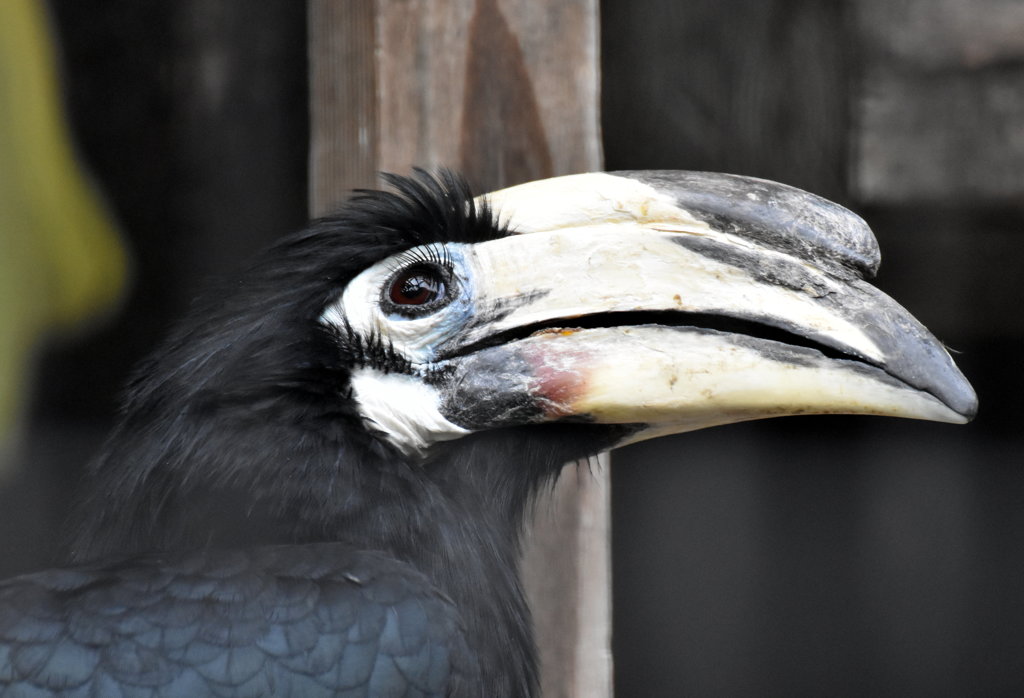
<point>810,556</point>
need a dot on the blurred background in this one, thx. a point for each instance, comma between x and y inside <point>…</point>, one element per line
<point>810,556</point>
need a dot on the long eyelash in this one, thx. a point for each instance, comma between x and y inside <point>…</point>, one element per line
<point>373,350</point>
<point>435,253</point>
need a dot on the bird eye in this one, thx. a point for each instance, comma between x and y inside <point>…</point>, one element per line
<point>419,285</point>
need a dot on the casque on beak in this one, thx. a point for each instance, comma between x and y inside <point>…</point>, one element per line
<point>673,301</point>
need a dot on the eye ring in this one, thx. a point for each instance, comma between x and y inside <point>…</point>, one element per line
<point>418,289</point>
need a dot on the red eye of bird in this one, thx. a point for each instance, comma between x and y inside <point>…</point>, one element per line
<point>417,286</point>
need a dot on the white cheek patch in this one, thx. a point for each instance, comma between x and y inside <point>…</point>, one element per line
<point>401,407</point>
<point>404,409</point>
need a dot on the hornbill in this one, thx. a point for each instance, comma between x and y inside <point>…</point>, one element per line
<point>317,483</point>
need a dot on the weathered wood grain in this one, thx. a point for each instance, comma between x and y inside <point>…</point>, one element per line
<point>344,129</point>
<point>505,90</point>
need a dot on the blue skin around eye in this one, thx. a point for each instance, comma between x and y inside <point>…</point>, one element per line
<point>445,324</point>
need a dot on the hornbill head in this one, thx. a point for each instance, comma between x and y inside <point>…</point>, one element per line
<point>658,302</point>
<point>422,341</point>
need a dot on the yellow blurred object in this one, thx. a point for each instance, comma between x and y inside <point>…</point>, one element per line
<point>61,260</point>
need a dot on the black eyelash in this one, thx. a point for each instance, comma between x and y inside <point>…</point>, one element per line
<point>434,253</point>
<point>374,351</point>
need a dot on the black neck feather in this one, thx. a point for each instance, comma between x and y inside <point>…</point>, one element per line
<point>240,430</point>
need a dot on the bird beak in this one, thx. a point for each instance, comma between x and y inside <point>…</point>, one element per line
<point>677,301</point>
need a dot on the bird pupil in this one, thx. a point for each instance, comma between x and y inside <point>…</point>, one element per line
<point>417,287</point>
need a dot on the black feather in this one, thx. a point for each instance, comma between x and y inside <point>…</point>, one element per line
<point>198,624</point>
<point>238,435</point>
<point>251,390</point>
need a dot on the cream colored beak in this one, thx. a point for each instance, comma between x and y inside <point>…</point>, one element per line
<point>676,301</point>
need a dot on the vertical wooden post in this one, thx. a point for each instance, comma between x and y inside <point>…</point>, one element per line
<point>343,152</point>
<point>505,91</point>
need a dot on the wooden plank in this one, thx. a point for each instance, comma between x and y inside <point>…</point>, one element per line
<point>568,578</point>
<point>474,85</point>
<point>481,86</point>
<point>342,102</point>
<point>941,113</point>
